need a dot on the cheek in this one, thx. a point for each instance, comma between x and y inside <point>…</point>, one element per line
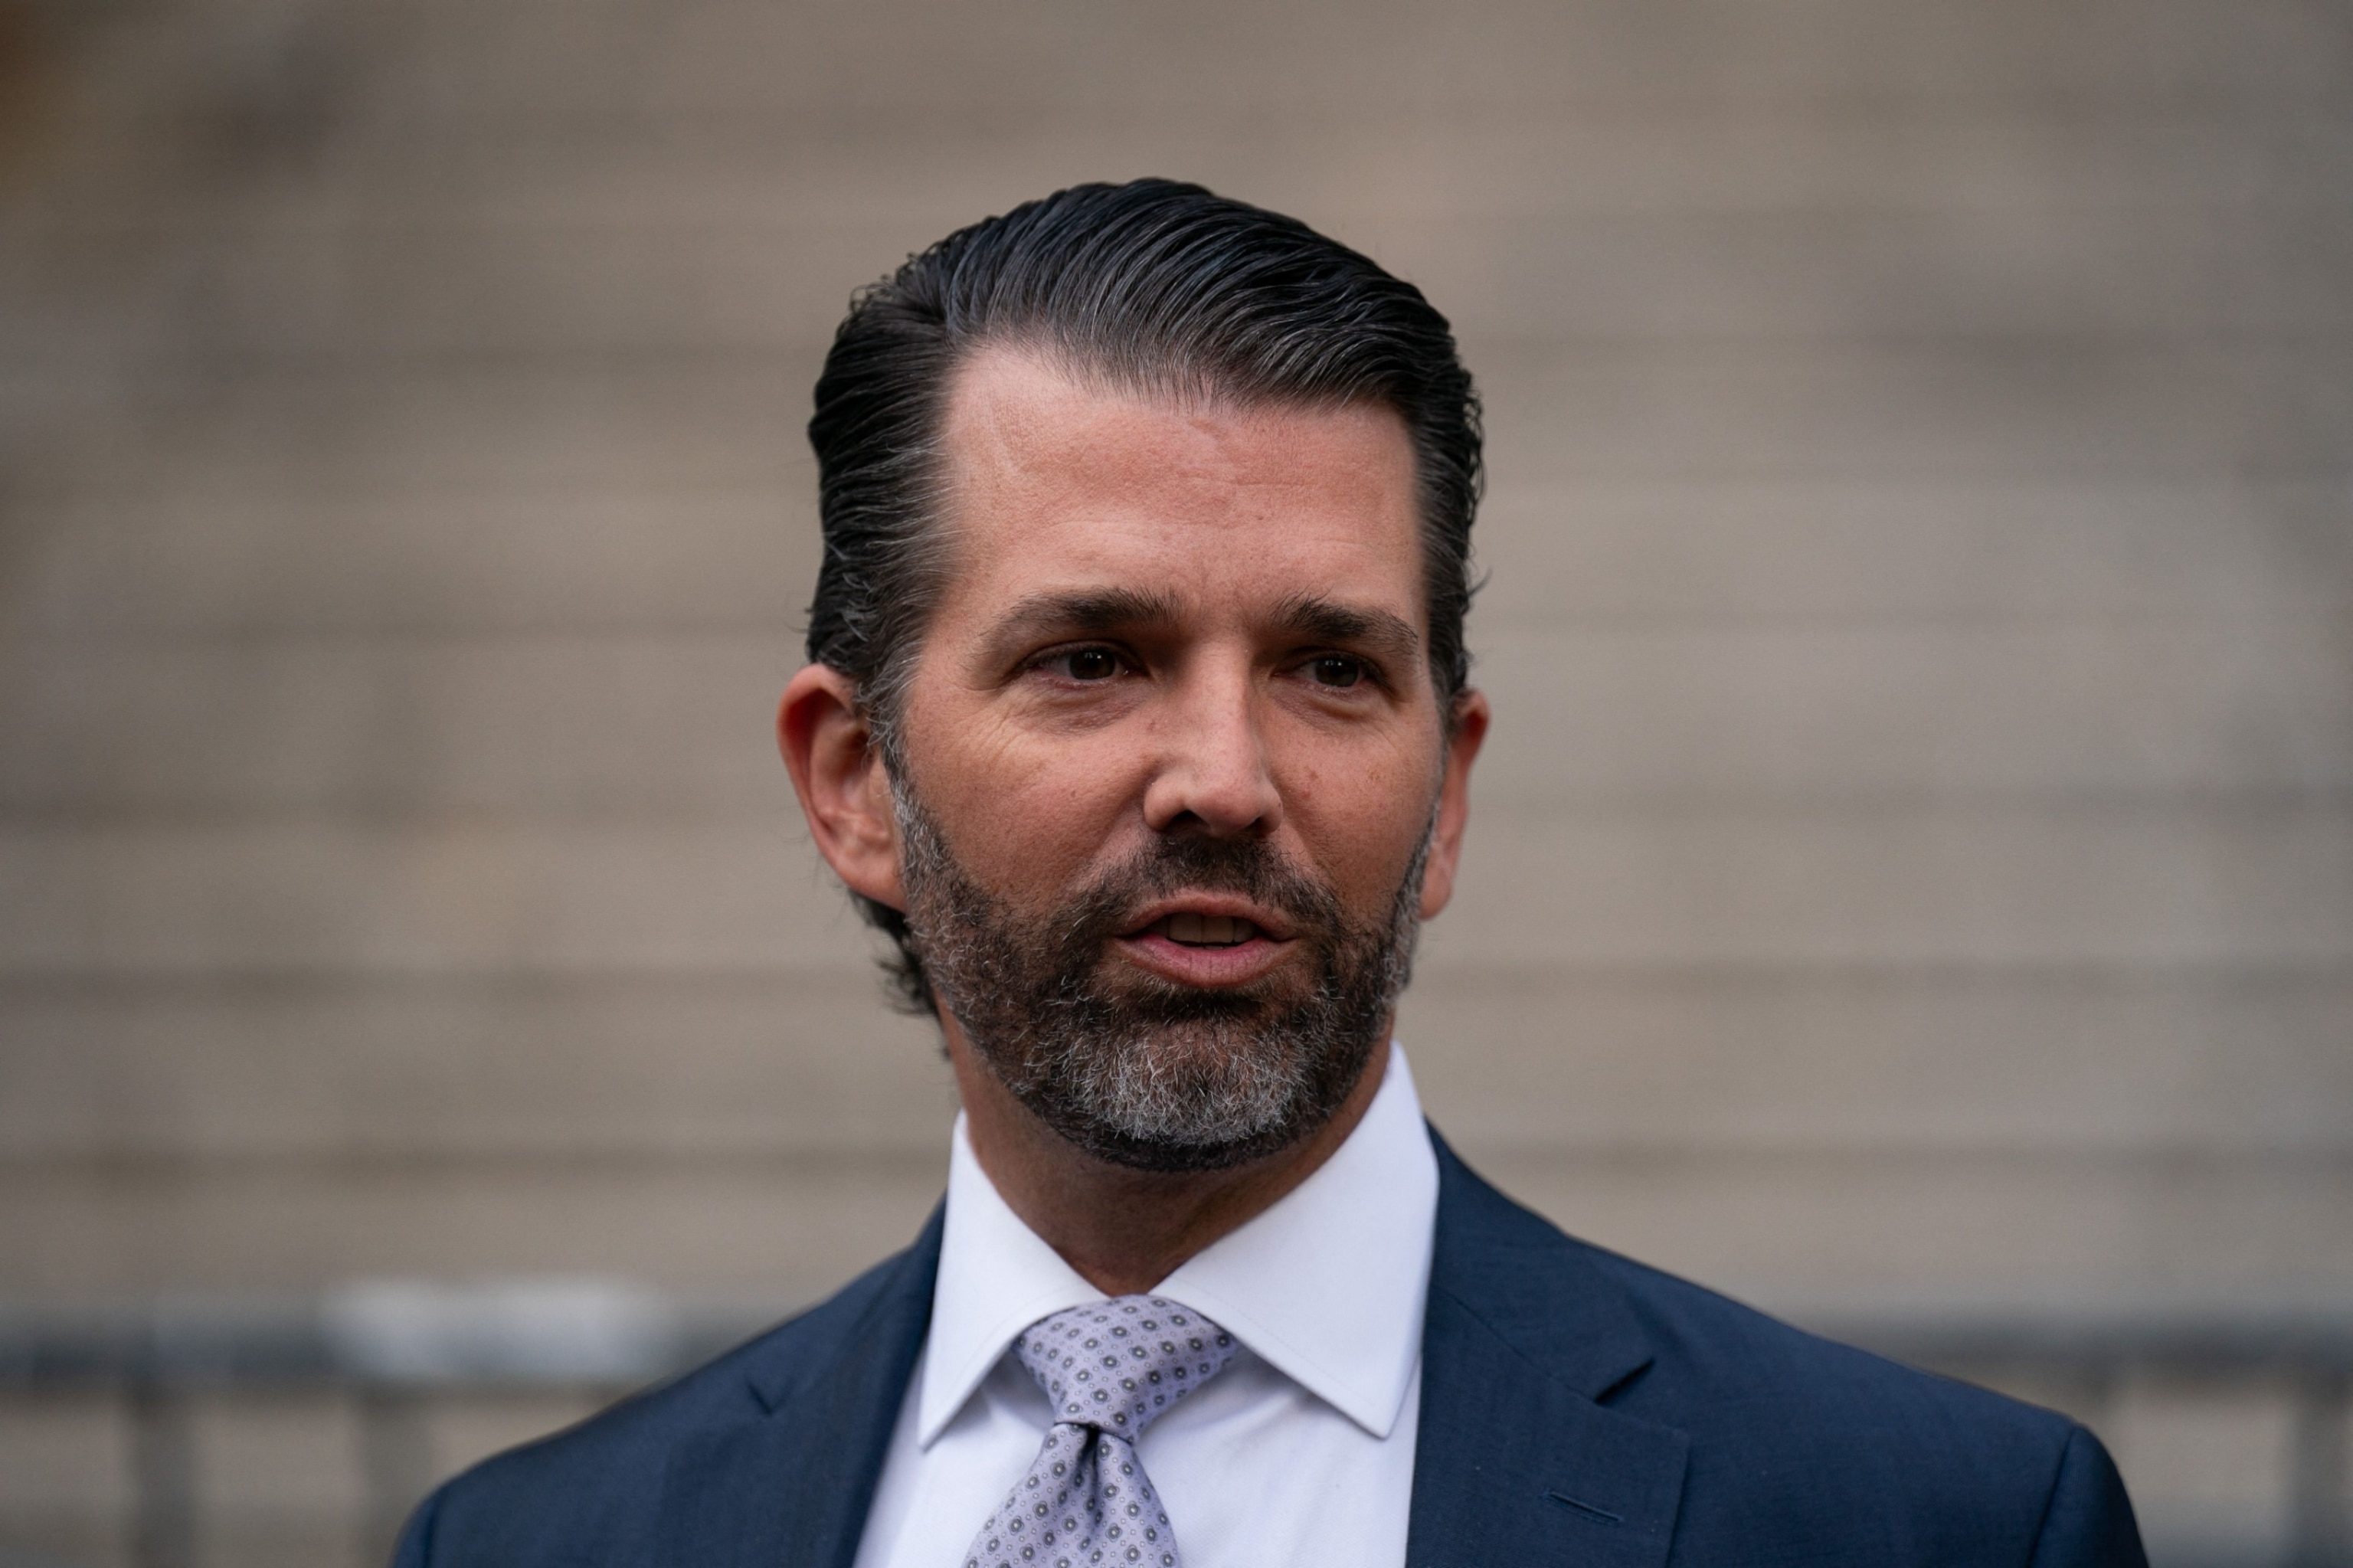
<point>1022,813</point>
<point>1360,820</point>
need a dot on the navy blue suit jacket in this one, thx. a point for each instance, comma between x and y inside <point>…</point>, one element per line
<point>1575,1408</point>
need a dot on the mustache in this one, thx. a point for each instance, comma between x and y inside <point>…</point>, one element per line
<point>1137,1070</point>
<point>1108,905</point>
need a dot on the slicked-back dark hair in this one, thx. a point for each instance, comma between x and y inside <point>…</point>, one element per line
<point>1152,286</point>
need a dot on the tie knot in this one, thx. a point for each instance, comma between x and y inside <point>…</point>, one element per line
<point>1118,1365</point>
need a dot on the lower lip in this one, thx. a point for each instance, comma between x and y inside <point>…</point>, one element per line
<point>1237,965</point>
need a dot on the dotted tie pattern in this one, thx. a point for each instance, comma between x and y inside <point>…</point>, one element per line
<point>1111,1369</point>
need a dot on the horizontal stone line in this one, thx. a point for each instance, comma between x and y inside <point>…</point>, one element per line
<point>368,361</point>
<point>783,824</point>
<point>1927,120</point>
<point>741,635</point>
<point>846,977</point>
<point>1512,1158</point>
<point>88,630</point>
<point>98,628</point>
<point>94,976</point>
<point>532,983</point>
<point>462,1162</point>
<point>764,201</point>
<point>2154,972</point>
<point>1531,802</point>
<point>793,356</point>
<point>2323,484</point>
<point>1831,94</point>
<point>84,491</point>
<point>2331,1157</point>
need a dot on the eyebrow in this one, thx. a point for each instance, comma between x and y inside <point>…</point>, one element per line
<point>1110,609</point>
<point>1081,610</point>
<point>1326,620</point>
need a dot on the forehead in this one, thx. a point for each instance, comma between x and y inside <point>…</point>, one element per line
<point>1054,481</point>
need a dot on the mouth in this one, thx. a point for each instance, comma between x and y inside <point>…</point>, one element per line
<point>1190,930</point>
<point>1203,941</point>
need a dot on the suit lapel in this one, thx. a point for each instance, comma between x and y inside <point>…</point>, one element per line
<point>1516,1461</point>
<point>790,1486</point>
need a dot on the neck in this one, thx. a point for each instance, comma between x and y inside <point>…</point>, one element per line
<point>1125,1230</point>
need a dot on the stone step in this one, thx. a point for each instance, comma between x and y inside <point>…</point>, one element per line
<point>450,66</point>
<point>617,723</point>
<point>2072,163</point>
<point>810,1067</point>
<point>2134,710</point>
<point>1806,1226</point>
<point>1991,1225</point>
<point>794,1229</point>
<point>2113,881</point>
<point>1558,413</point>
<point>213,90</point>
<point>268,555</point>
<point>2099,882</point>
<point>1585,411</point>
<point>1846,549</point>
<point>2198,1063</point>
<point>723,423</point>
<point>1940,1059</point>
<point>275,555</point>
<point>714,896</point>
<point>66,1477</point>
<point>517,283</point>
<point>598,723</point>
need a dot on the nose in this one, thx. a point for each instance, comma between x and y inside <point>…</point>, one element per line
<point>1214,774</point>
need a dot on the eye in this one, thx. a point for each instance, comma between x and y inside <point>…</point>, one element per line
<point>1088,663</point>
<point>1339,670</point>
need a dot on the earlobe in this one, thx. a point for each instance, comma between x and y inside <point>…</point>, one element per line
<point>845,792</point>
<point>1466,734</point>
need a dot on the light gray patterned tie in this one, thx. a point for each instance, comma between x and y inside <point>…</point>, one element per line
<point>1111,1369</point>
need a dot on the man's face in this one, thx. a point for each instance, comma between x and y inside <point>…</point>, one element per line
<point>1172,758</point>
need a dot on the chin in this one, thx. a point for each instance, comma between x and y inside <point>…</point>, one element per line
<point>1200,1095</point>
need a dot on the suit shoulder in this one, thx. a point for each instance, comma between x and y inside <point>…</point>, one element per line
<point>592,1492</point>
<point>1700,1353</point>
<point>1716,1347</point>
<point>1843,1457</point>
<point>1845,1448</point>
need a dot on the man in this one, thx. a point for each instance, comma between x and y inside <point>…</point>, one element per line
<point>1137,717</point>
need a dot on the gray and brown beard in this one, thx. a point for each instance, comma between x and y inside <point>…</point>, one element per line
<point>1133,1069</point>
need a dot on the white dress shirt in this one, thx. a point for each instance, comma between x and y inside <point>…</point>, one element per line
<point>1301,1452</point>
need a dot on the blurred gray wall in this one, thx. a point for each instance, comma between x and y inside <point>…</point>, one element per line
<point>1914,862</point>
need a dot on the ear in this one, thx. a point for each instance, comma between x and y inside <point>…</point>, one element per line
<point>838,772</point>
<point>1469,730</point>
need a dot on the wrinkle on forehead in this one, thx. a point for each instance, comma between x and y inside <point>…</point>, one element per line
<point>1015,419</point>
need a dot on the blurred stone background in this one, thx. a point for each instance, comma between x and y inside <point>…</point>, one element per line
<point>1912,871</point>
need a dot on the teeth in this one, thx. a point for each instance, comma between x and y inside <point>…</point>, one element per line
<point>1208,930</point>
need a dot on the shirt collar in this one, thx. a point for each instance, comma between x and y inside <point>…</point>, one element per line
<point>1365,1217</point>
